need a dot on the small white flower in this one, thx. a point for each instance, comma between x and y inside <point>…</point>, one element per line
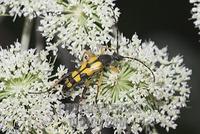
<point>2,9</point>
<point>196,12</point>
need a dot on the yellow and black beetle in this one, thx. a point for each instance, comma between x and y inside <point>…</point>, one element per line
<point>92,65</point>
<point>88,68</point>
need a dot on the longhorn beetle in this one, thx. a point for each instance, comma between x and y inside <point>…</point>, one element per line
<point>92,65</point>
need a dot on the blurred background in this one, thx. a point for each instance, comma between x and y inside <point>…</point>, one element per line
<point>165,22</point>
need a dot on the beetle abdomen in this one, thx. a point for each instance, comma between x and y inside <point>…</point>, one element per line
<point>86,70</point>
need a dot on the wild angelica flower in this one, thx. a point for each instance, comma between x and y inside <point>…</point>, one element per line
<point>130,99</point>
<point>21,74</point>
<point>63,123</point>
<point>196,12</point>
<point>30,8</point>
<point>82,22</point>
<point>75,23</point>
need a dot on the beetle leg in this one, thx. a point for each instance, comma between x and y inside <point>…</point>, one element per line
<point>98,85</point>
<point>87,84</point>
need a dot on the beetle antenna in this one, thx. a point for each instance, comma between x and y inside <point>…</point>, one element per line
<point>154,78</point>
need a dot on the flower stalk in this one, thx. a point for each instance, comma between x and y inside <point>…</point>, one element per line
<point>26,34</point>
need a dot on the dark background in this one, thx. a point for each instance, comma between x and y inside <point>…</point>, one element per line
<point>167,23</point>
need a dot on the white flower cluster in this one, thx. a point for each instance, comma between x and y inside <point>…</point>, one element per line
<point>63,123</point>
<point>82,22</point>
<point>130,99</point>
<point>196,12</point>
<point>30,8</point>
<point>144,89</point>
<point>22,74</point>
<point>74,23</point>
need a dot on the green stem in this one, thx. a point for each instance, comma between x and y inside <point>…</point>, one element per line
<point>26,34</point>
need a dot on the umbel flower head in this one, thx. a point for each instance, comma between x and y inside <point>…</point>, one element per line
<point>74,23</point>
<point>129,99</point>
<point>29,8</point>
<point>21,74</point>
<point>196,12</point>
<point>82,22</point>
